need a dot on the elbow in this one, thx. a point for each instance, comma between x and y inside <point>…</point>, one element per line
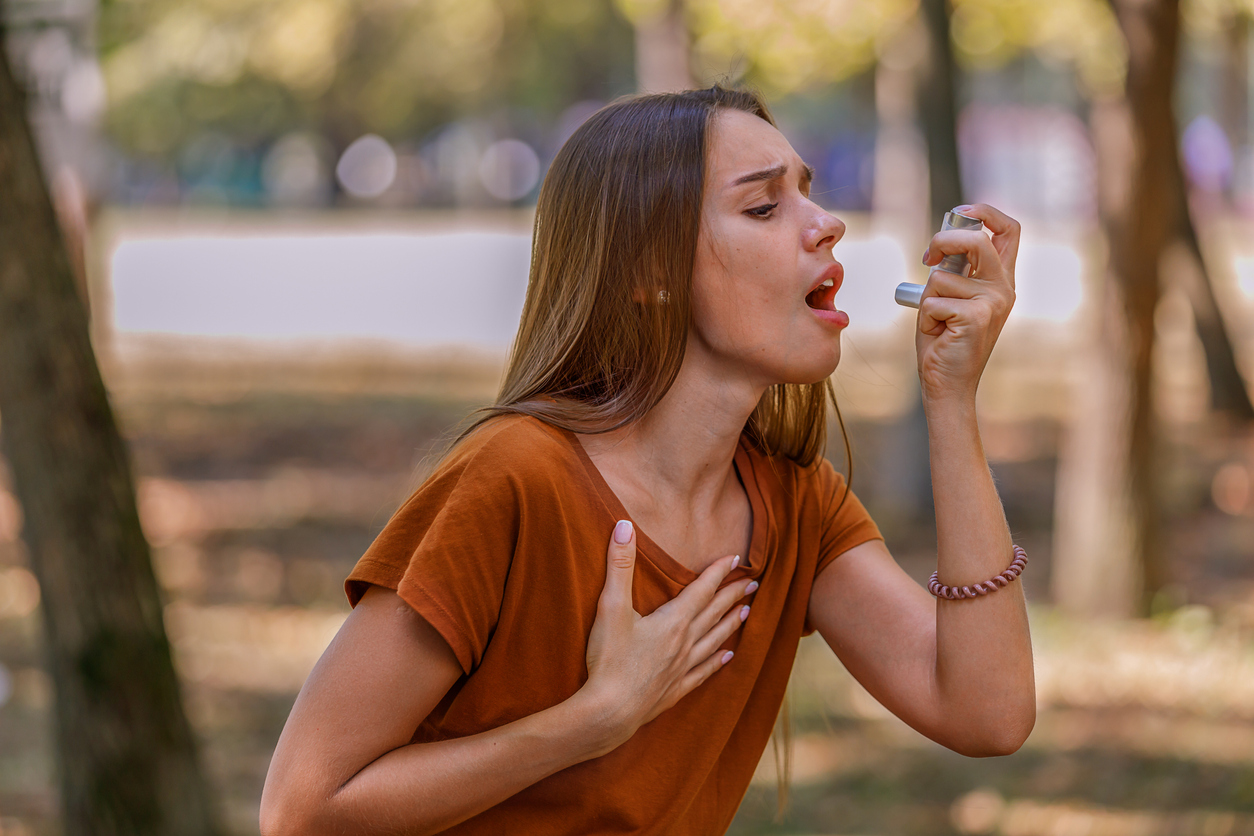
<point>286,814</point>
<point>1002,736</point>
<point>277,821</point>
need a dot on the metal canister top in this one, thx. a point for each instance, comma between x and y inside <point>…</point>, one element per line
<point>955,221</point>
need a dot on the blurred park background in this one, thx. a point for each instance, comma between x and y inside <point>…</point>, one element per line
<point>301,229</point>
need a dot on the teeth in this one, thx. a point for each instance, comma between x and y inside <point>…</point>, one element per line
<point>827,283</point>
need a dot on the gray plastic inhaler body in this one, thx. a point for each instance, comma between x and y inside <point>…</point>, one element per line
<point>908,293</point>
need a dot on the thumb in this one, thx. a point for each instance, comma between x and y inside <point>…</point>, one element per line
<point>620,565</point>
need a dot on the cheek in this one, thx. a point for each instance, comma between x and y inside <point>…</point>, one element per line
<point>738,301</point>
<point>741,277</point>
<point>713,311</point>
<point>724,296</point>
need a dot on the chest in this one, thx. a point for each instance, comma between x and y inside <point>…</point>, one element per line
<point>694,539</point>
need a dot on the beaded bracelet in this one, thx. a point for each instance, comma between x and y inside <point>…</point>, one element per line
<point>954,593</point>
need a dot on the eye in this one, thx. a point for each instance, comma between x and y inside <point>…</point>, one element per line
<point>763,211</point>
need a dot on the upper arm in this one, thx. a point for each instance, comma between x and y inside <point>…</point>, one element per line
<point>882,626</point>
<point>382,674</point>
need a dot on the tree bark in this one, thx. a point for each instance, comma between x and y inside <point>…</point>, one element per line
<point>906,462</point>
<point>664,51</point>
<point>125,752</point>
<point>1137,155</point>
<point>938,110</point>
<point>1228,392</point>
<point>1094,569</point>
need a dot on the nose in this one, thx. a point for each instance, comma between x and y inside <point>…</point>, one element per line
<point>824,230</point>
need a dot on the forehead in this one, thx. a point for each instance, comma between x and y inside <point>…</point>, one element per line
<point>741,143</point>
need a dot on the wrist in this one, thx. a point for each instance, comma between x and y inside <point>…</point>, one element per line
<point>602,721</point>
<point>949,405</point>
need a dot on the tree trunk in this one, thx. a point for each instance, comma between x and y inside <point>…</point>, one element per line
<point>663,51</point>
<point>1228,393</point>
<point>1137,154</point>
<point>125,752</point>
<point>938,110</point>
<point>1094,571</point>
<point>907,463</point>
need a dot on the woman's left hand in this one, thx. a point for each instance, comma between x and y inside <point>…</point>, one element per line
<point>961,317</point>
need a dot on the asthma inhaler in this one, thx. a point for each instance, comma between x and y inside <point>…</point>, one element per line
<point>908,293</point>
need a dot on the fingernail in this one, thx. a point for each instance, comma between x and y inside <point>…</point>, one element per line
<point>925,254</point>
<point>752,587</point>
<point>622,532</point>
<point>727,657</point>
<point>744,613</point>
<point>963,208</point>
<point>735,561</point>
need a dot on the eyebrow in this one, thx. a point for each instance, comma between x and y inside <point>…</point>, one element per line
<point>775,173</point>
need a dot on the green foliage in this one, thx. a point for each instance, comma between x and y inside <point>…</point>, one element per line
<point>258,68</point>
<point>792,45</point>
<point>1082,34</point>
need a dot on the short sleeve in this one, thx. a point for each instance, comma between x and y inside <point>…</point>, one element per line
<point>845,521</point>
<point>447,552</point>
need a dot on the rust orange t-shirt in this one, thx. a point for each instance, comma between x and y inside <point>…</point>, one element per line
<point>503,551</point>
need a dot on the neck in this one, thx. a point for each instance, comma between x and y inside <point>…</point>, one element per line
<point>683,448</point>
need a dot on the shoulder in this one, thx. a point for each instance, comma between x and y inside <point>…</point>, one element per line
<point>506,468</point>
<point>824,479</point>
<point>511,448</point>
<point>819,482</point>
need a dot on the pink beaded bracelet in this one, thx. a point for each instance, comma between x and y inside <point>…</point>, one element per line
<point>954,593</point>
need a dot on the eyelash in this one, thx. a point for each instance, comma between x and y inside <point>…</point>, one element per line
<point>763,211</point>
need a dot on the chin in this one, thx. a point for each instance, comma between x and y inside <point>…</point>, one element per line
<point>813,372</point>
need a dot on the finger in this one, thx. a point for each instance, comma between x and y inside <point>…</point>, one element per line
<point>707,668</point>
<point>720,605</point>
<point>712,640</point>
<point>1006,230</point>
<point>986,263</point>
<point>941,313</point>
<point>620,566</point>
<point>943,283</point>
<point>697,595</point>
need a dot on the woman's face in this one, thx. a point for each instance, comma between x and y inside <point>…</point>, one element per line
<point>760,302</point>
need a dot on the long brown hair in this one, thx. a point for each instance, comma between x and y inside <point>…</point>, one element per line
<point>606,316</point>
<point>605,321</point>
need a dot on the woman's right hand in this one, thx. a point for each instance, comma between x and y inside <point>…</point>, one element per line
<point>640,666</point>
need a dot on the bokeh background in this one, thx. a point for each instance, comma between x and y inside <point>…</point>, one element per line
<point>302,228</point>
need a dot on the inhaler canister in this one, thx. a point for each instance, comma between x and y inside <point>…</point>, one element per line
<point>909,294</point>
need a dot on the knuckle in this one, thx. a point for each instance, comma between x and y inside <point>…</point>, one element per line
<point>623,559</point>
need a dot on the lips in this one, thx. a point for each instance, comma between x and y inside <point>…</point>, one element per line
<point>822,296</point>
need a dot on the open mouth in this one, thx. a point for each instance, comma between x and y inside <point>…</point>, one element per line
<point>823,297</point>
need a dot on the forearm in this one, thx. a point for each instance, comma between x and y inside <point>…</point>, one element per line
<point>983,671</point>
<point>428,787</point>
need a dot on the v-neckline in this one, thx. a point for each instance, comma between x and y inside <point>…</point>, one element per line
<point>751,564</point>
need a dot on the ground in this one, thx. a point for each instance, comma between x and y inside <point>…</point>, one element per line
<point>258,500</point>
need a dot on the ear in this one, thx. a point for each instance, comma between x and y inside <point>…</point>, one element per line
<point>642,296</point>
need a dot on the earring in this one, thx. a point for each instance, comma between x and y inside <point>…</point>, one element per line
<point>663,297</point>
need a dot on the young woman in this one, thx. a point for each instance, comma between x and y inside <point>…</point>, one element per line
<point>584,621</point>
